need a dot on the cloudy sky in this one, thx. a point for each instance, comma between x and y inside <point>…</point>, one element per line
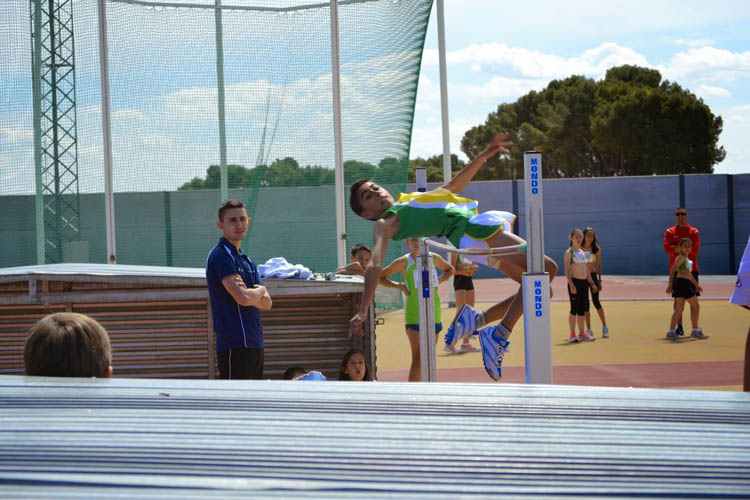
<point>498,51</point>
<point>164,81</point>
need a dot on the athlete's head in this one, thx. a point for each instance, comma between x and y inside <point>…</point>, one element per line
<point>369,200</point>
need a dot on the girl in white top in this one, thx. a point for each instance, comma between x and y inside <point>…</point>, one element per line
<point>579,280</point>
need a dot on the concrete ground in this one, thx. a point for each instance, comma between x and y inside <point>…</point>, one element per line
<point>637,354</point>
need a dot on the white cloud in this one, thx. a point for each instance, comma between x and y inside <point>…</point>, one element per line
<point>129,115</point>
<point>426,108</point>
<point>428,90</point>
<point>708,64</point>
<point>497,90</point>
<point>427,140</point>
<point>493,57</point>
<point>16,137</point>
<point>738,114</point>
<point>734,139</point>
<point>704,90</point>
<point>700,42</point>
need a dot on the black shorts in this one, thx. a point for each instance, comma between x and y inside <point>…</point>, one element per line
<point>240,364</point>
<point>461,282</point>
<point>579,303</point>
<point>683,288</point>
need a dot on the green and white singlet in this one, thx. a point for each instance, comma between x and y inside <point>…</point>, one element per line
<point>412,301</point>
<point>439,213</point>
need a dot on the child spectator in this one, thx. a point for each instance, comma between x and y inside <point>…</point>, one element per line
<point>407,266</point>
<point>684,287</point>
<point>67,345</point>
<point>672,237</point>
<point>579,279</point>
<point>355,367</point>
<point>360,255</point>
<point>293,372</point>
<point>593,253</point>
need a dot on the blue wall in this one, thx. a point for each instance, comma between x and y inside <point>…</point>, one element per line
<point>629,214</point>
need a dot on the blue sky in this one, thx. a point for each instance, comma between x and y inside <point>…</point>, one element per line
<point>498,51</point>
<point>164,96</point>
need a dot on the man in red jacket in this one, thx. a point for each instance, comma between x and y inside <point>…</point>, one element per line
<point>672,237</point>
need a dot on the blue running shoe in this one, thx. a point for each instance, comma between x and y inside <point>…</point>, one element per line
<point>450,338</point>
<point>464,324</point>
<point>493,351</point>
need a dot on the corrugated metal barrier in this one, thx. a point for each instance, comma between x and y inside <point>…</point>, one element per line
<point>136,438</point>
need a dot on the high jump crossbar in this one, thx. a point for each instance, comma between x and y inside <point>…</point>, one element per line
<point>535,285</point>
<point>509,250</point>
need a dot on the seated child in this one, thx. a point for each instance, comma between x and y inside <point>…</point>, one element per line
<point>361,256</point>
<point>299,373</point>
<point>355,367</point>
<point>67,345</point>
<point>293,372</point>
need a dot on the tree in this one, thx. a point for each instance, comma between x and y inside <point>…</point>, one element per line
<point>630,123</point>
<point>237,177</point>
<point>288,172</point>
<point>655,129</point>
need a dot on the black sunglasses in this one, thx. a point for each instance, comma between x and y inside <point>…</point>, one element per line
<point>680,213</point>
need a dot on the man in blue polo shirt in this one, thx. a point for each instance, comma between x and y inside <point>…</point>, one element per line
<point>237,296</point>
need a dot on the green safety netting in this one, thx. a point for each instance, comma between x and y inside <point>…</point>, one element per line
<point>166,122</point>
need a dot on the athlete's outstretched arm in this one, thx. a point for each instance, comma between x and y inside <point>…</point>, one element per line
<point>499,144</point>
<point>380,237</point>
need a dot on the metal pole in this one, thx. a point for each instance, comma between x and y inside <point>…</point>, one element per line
<point>447,167</point>
<point>37,91</point>
<point>447,174</point>
<point>421,177</point>
<point>535,282</point>
<point>425,270</point>
<point>223,174</point>
<point>109,198</point>
<point>338,146</point>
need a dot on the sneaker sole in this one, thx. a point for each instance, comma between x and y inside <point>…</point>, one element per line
<point>490,351</point>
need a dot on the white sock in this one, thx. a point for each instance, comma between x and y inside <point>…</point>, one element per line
<point>502,331</point>
<point>481,320</point>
